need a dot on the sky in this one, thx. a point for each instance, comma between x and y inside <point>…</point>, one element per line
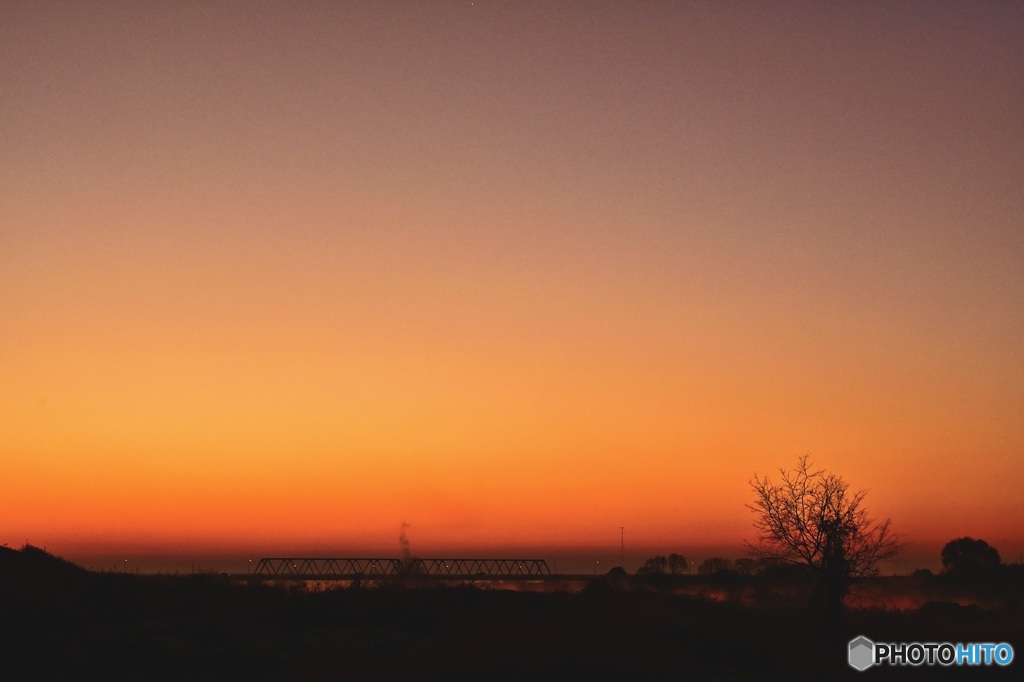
<point>551,276</point>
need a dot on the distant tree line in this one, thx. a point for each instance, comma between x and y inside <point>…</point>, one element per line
<point>676,564</point>
<point>673,564</point>
<point>964,557</point>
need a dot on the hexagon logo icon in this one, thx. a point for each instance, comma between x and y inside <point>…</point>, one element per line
<point>862,653</point>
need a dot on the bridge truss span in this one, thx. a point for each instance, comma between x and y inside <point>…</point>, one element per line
<point>327,569</point>
<point>490,568</point>
<point>283,568</point>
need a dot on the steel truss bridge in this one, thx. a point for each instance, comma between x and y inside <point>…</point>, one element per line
<point>398,569</point>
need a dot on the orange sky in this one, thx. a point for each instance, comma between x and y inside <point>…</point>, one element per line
<point>281,275</point>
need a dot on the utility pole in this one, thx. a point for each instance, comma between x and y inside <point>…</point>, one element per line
<point>622,547</point>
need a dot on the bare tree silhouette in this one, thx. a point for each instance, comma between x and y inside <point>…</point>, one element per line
<point>812,518</point>
<point>714,566</point>
<point>656,565</point>
<point>677,564</point>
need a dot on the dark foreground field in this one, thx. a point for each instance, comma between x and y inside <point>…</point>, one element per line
<point>61,622</point>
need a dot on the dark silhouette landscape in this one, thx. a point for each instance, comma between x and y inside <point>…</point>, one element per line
<point>61,621</point>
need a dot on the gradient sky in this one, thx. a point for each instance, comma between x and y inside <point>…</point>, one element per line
<point>285,274</point>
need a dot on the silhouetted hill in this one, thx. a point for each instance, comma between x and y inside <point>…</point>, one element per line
<point>33,582</point>
<point>32,568</point>
<point>34,563</point>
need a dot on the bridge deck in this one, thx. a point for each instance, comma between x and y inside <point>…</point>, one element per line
<point>548,578</point>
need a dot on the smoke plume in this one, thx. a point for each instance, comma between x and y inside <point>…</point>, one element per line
<point>403,541</point>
